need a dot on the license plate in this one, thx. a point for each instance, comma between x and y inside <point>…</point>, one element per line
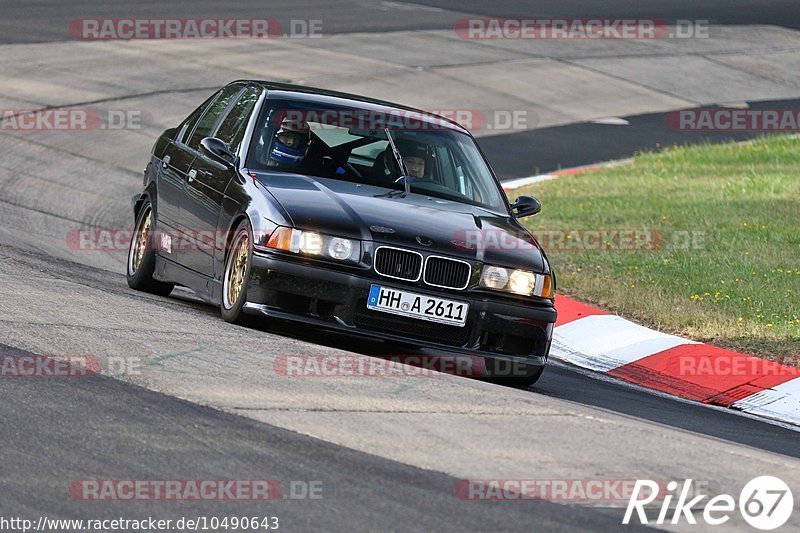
<point>430,308</point>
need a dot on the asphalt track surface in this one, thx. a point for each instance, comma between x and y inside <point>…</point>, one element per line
<point>29,22</point>
<point>779,13</point>
<point>513,155</point>
<point>54,431</point>
<point>542,150</point>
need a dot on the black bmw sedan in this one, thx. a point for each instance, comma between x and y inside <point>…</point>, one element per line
<point>346,213</point>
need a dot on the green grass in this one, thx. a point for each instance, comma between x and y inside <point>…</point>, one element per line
<point>738,287</point>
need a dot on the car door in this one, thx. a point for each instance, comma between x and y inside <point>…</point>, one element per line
<point>205,184</point>
<point>175,161</point>
<point>231,131</point>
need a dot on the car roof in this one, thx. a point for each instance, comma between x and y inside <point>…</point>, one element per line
<point>326,96</point>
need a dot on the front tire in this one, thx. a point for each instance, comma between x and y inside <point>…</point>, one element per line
<point>237,273</point>
<point>142,255</point>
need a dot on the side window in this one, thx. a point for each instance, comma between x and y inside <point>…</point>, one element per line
<point>189,123</point>
<point>231,130</point>
<point>206,124</point>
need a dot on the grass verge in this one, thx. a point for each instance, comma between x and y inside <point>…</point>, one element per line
<point>712,247</point>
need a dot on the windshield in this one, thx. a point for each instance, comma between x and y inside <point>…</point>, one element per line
<point>352,145</point>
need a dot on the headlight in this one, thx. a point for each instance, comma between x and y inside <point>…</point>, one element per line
<point>310,243</point>
<point>315,244</point>
<point>522,282</point>
<point>517,281</point>
<point>494,277</point>
<point>340,248</point>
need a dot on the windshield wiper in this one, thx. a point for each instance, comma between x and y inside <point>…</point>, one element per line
<point>399,159</point>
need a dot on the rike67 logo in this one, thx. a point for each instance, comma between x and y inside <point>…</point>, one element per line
<point>765,503</point>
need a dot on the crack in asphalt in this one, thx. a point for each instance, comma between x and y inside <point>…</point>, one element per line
<point>43,212</point>
<point>68,152</point>
<point>114,99</point>
<point>632,82</point>
<point>773,79</point>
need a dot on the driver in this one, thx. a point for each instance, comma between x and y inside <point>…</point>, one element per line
<point>290,145</point>
<point>415,157</point>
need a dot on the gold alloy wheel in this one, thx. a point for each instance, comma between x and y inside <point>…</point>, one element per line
<point>142,238</point>
<point>238,267</point>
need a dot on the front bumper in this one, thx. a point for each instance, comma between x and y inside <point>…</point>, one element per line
<point>337,299</point>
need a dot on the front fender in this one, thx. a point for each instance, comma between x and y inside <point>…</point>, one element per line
<point>246,198</point>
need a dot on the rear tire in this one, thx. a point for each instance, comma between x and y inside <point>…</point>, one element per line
<point>238,264</point>
<point>142,255</point>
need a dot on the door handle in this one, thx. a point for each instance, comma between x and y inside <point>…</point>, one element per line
<point>165,161</point>
<point>191,175</point>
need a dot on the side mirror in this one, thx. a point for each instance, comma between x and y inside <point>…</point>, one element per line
<point>217,150</point>
<point>526,206</point>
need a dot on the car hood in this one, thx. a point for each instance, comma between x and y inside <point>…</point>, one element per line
<point>417,221</point>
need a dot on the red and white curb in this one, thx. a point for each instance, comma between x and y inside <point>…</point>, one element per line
<point>521,182</point>
<point>601,342</point>
<point>598,341</point>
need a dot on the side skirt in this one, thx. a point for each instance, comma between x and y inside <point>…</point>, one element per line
<point>204,287</point>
